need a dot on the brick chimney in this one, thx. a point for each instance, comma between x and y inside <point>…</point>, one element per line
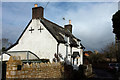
<point>37,12</point>
<point>69,26</point>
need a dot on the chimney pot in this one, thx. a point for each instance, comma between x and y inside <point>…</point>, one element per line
<point>36,5</point>
<point>69,26</point>
<point>69,21</point>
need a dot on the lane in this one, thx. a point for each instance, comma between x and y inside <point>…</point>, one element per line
<point>0,69</point>
<point>101,74</point>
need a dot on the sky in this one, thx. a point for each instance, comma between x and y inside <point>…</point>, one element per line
<point>119,5</point>
<point>91,21</point>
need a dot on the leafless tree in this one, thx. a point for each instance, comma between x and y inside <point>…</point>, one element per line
<point>110,51</point>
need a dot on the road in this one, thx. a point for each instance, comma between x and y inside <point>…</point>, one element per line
<point>101,74</point>
<point>0,70</point>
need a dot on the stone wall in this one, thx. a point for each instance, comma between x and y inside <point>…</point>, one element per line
<point>16,69</point>
<point>88,70</point>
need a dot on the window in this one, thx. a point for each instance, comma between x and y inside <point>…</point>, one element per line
<point>75,54</point>
<point>19,67</point>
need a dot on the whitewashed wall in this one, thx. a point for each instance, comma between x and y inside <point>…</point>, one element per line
<point>5,57</point>
<point>81,56</point>
<point>62,50</point>
<point>69,53</point>
<point>43,44</point>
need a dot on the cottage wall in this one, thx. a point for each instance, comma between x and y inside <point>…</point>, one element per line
<point>43,43</point>
<point>62,50</point>
<point>69,53</point>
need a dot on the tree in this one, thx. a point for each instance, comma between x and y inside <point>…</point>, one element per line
<point>116,30</point>
<point>110,51</point>
<point>5,43</point>
<point>96,58</point>
<point>116,24</point>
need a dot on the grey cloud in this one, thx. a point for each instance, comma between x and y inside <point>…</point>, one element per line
<point>119,5</point>
<point>93,24</point>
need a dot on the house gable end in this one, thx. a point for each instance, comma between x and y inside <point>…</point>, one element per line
<point>19,37</point>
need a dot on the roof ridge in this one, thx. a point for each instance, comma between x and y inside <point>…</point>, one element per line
<point>61,27</point>
<point>53,23</point>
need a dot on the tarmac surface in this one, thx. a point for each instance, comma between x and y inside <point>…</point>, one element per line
<point>100,74</point>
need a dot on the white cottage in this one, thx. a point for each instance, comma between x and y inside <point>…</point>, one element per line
<point>47,40</point>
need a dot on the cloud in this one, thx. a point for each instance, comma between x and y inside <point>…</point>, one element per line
<point>0,21</point>
<point>119,5</point>
<point>91,21</point>
<point>60,0</point>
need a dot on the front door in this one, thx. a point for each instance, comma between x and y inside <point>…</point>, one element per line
<point>75,58</point>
